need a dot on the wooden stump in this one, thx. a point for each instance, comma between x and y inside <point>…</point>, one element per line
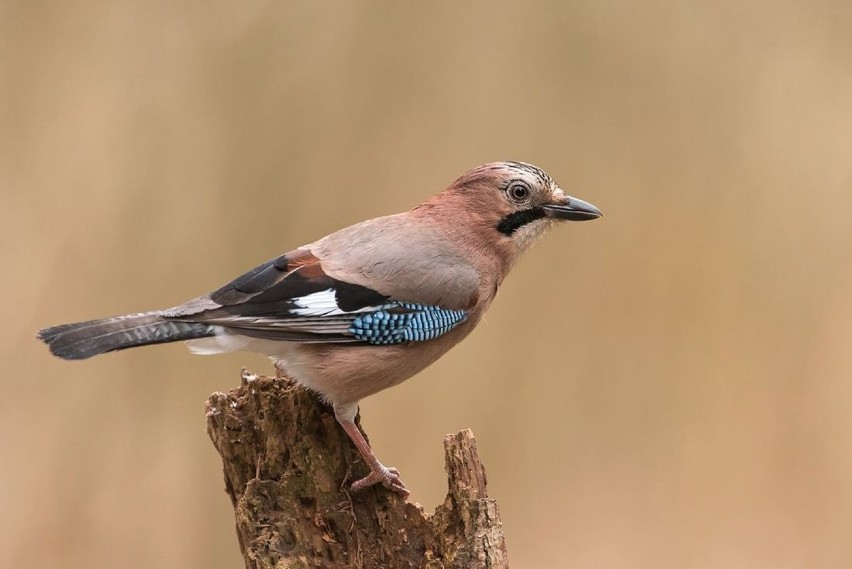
<point>288,466</point>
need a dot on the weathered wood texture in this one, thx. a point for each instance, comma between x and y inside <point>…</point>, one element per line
<point>287,469</point>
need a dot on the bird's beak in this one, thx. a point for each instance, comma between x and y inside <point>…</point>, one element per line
<point>572,209</point>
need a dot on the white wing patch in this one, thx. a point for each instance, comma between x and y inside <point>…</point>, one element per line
<point>322,303</point>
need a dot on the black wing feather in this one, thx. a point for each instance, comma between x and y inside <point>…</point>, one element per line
<point>264,302</point>
<point>257,280</point>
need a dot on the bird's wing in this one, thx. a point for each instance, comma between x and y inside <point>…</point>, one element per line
<point>292,298</point>
<point>403,258</point>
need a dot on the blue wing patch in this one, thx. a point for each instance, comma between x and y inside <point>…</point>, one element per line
<point>397,322</point>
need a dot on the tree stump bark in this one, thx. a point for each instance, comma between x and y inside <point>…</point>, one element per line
<point>288,466</point>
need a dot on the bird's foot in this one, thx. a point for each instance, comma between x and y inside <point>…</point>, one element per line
<point>387,477</point>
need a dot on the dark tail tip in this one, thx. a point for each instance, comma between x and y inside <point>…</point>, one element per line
<point>63,348</point>
<point>49,336</point>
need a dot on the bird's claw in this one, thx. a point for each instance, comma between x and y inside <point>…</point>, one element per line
<point>387,477</point>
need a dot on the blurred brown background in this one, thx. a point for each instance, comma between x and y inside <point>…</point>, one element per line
<point>669,386</point>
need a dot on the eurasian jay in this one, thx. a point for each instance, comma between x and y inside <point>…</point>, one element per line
<point>366,307</point>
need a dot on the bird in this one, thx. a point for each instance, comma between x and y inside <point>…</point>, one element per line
<point>366,307</point>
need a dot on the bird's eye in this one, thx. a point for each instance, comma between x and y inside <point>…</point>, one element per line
<point>519,192</point>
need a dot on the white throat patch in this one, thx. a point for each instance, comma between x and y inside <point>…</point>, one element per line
<point>526,235</point>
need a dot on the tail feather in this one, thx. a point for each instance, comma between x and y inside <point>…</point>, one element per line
<point>82,340</point>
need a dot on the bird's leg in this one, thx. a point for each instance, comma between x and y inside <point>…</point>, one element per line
<point>379,473</point>
<point>279,368</point>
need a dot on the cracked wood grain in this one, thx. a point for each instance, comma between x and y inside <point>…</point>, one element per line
<point>288,465</point>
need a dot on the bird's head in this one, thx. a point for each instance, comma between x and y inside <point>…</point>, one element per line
<point>512,203</point>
